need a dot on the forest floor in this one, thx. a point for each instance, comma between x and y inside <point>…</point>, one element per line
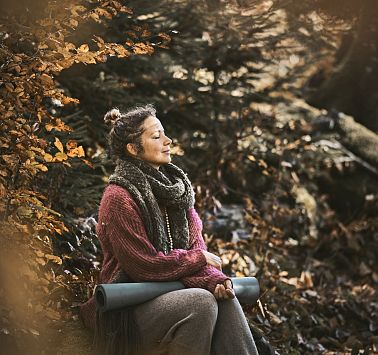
<point>312,301</point>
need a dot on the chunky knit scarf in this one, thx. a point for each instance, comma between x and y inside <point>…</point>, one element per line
<point>153,190</point>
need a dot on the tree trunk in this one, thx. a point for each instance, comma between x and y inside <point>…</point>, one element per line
<point>359,139</point>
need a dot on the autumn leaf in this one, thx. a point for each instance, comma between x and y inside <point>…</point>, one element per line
<point>121,51</point>
<point>99,41</point>
<point>59,126</point>
<point>66,100</point>
<point>71,144</point>
<point>125,9</point>
<point>132,34</point>
<point>306,279</point>
<point>9,87</point>
<point>48,157</point>
<point>65,63</point>
<point>83,48</point>
<point>165,36</point>
<point>58,230</point>
<point>59,144</point>
<point>116,5</point>
<point>49,127</point>
<point>145,33</point>
<point>95,17</point>
<point>37,149</point>
<point>103,12</point>
<point>46,80</point>
<point>76,9</point>
<point>60,156</point>
<point>129,43</point>
<point>54,258</point>
<point>41,167</point>
<point>87,162</point>
<point>87,58</point>
<point>46,22</point>
<point>142,48</point>
<point>39,253</point>
<point>69,46</point>
<point>76,152</point>
<point>41,261</point>
<point>74,23</point>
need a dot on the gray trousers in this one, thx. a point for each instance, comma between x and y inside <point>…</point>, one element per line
<point>193,322</point>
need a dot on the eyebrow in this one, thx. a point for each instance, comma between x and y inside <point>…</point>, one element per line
<point>157,130</point>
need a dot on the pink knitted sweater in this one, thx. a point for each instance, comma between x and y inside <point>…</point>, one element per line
<point>126,247</point>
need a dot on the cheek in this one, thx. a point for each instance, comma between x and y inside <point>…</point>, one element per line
<point>151,149</point>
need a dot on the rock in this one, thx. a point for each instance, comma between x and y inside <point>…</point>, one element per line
<point>227,223</point>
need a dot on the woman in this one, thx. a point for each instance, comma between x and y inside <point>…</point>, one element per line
<point>150,231</point>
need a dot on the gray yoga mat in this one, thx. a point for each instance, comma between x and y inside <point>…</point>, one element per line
<point>113,296</point>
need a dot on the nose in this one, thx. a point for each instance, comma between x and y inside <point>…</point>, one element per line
<point>167,141</point>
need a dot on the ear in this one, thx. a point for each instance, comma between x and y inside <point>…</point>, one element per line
<point>131,149</point>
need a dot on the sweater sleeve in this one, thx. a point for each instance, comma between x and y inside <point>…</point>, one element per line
<point>209,276</point>
<point>133,250</point>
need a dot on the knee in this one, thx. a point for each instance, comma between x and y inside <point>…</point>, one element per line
<point>203,305</point>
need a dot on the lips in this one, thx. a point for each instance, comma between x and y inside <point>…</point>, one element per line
<point>167,151</point>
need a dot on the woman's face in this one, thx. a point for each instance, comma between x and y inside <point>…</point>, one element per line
<point>155,143</point>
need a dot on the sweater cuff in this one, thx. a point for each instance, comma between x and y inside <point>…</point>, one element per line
<point>214,281</point>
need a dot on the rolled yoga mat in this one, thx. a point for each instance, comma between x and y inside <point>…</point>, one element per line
<point>113,296</point>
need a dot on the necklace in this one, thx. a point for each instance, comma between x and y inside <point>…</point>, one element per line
<point>170,240</point>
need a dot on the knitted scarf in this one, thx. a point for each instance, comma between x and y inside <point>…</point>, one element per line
<point>167,188</point>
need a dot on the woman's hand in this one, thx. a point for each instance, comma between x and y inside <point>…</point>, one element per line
<point>224,291</point>
<point>213,260</point>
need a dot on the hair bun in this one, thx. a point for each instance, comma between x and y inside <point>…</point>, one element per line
<point>112,116</point>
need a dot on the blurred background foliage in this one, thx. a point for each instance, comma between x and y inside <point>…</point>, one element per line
<point>272,108</point>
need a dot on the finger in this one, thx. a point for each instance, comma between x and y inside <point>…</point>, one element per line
<point>222,292</point>
<point>229,290</point>
<point>216,292</point>
<point>228,284</point>
<point>227,295</point>
<point>220,295</point>
<point>230,293</point>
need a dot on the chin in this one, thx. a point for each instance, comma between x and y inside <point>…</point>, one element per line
<point>167,160</point>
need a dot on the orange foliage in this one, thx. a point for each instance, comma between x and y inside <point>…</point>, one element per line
<point>27,79</point>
